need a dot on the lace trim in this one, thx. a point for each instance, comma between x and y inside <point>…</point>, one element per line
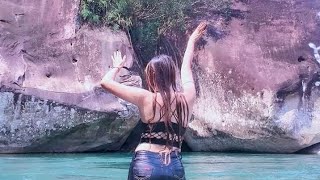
<point>161,135</point>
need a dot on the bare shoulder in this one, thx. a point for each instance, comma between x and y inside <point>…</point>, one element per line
<point>149,98</point>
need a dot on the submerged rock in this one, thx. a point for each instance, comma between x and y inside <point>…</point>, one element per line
<point>50,69</point>
<point>258,85</point>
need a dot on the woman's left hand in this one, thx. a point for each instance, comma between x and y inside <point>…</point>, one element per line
<point>118,60</point>
<point>198,32</point>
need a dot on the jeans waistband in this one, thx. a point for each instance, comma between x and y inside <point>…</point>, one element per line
<point>150,153</point>
<point>164,156</point>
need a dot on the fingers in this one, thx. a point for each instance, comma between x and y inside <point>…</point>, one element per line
<point>117,59</point>
<point>202,27</point>
<point>116,55</point>
<point>123,60</point>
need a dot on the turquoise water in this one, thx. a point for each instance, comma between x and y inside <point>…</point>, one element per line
<point>198,166</point>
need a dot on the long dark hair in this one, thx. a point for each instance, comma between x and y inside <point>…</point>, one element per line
<point>161,76</point>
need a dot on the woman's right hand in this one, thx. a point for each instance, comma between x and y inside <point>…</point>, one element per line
<point>118,60</point>
<point>198,32</point>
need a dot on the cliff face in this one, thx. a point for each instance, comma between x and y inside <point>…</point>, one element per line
<point>50,68</point>
<point>257,76</point>
<point>258,81</point>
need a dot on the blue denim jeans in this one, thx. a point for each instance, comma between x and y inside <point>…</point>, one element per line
<point>148,165</point>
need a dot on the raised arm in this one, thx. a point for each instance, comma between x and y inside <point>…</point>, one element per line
<point>131,94</point>
<point>186,71</point>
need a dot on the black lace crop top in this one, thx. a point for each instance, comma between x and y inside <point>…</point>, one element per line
<point>155,133</point>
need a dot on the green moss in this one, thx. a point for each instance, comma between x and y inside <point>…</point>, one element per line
<point>146,21</point>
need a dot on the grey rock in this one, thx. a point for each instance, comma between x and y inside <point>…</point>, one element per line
<point>50,69</point>
<point>30,124</point>
<point>257,75</point>
<point>257,83</point>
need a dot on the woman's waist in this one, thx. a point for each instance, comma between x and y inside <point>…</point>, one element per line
<point>156,148</point>
<point>158,159</point>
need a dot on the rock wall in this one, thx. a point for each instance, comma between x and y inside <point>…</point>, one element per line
<point>258,80</point>
<point>30,124</point>
<point>50,69</point>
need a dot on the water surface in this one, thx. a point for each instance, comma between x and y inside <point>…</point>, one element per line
<point>198,166</point>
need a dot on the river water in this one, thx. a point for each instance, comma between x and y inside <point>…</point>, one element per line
<point>198,166</point>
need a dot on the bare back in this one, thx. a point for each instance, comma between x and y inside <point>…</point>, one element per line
<point>147,112</point>
<point>148,116</point>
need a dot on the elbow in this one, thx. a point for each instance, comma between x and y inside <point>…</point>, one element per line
<point>104,84</point>
<point>101,83</point>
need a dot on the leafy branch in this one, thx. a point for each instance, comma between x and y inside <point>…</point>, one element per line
<point>151,24</point>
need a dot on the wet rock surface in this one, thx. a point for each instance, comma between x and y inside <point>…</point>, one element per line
<point>30,124</point>
<point>50,69</point>
<point>258,84</point>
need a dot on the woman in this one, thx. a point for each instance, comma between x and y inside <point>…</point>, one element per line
<point>164,110</point>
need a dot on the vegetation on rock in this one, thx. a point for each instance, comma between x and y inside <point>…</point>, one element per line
<point>151,25</point>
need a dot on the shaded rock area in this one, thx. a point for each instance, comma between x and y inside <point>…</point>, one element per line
<point>34,125</point>
<point>258,84</point>
<point>50,69</point>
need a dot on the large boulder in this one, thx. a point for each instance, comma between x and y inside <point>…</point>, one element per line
<point>50,69</point>
<point>258,80</point>
<point>257,75</point>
